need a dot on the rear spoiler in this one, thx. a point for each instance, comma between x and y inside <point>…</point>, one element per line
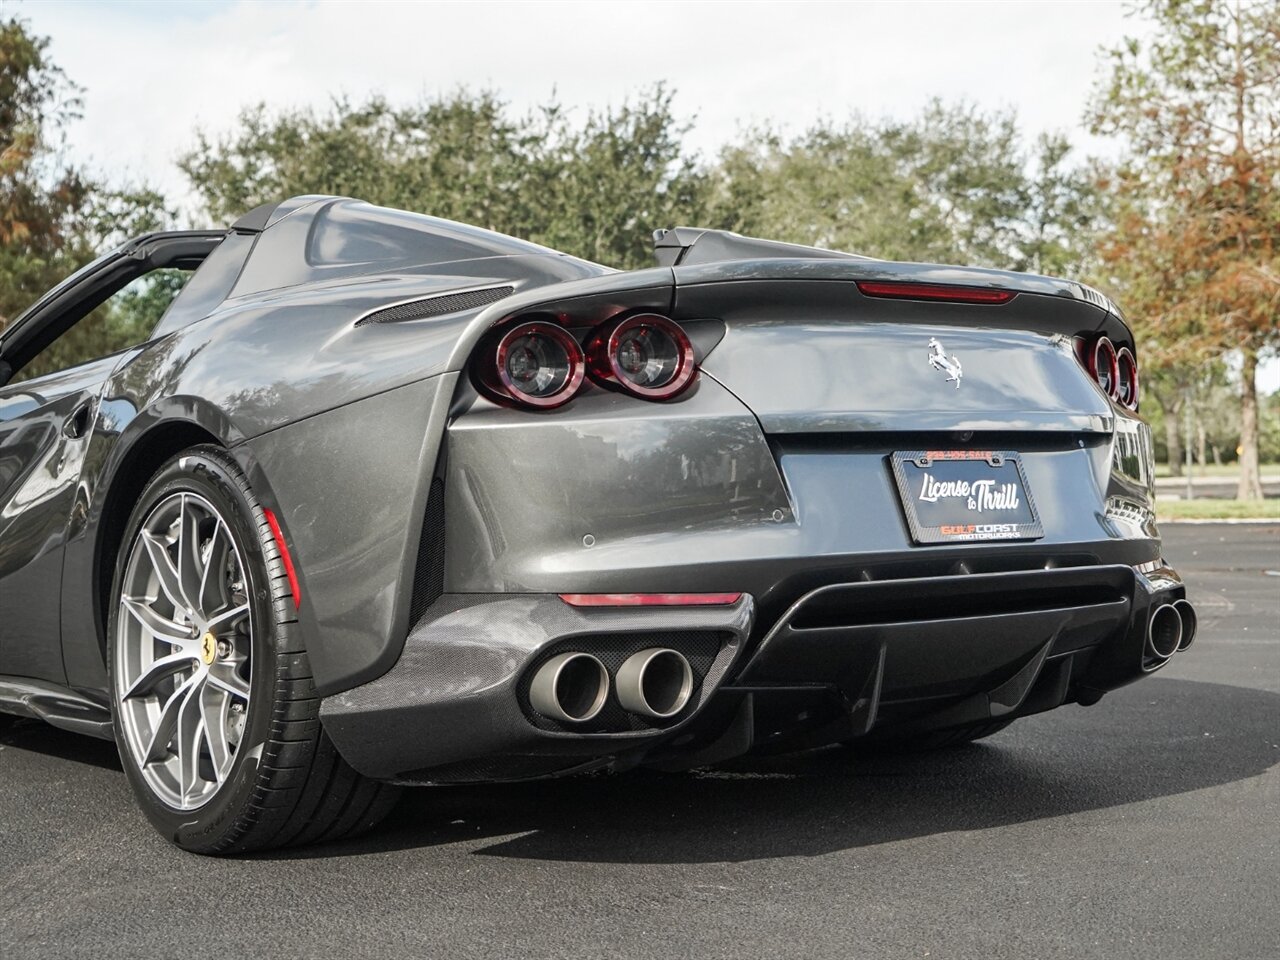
<point>706,248</point>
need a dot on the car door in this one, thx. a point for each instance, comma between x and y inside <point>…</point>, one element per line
<point>44,432</point>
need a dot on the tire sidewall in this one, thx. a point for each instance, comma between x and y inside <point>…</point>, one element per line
<point>210,473</point>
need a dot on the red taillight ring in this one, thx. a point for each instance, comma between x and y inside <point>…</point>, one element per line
<point>602,360</point>
<point>1102,363</point>
<point>573,352</point>
<point>1127,384</point>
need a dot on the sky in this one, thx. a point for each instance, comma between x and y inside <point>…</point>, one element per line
<point>155,71</point>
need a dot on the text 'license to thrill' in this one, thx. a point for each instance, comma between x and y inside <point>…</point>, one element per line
<point>965,495</point>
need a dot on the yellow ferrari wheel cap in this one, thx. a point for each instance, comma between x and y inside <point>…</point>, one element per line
<point>209,649</point>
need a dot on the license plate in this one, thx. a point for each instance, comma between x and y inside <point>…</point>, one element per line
<point>960,496</point>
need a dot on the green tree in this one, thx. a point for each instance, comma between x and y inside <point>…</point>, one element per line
<point>1064,213</point>
<point>39,202</point>
<point>599,190</point>
<point>594,189</point>
<point>55,218</point>
<point>953,185</point>
<point>1196,249</point>
<point>457,156</point>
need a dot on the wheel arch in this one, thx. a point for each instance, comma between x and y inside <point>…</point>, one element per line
<point>142,446</point>
<point>138,465</point>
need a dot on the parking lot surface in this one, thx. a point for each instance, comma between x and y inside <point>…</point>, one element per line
<point>1145,826</point>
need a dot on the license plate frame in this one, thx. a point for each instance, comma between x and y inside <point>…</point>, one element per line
<point>1003,489</point>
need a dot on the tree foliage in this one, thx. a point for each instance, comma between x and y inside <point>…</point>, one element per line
<point>54,217</point>
<point>953,185</point>
<point>1196,245</point>
<point>39,202</point>
<point>595,189</point>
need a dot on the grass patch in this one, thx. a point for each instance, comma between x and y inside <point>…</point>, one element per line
<point>1216,509</point>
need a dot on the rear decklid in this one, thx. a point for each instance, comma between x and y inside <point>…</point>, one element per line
<point>807,350</point>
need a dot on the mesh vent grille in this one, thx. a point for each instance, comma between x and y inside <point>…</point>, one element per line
<point>436,306</point>
<point>699,646</point>
<point>428,576</point>
<point>1099,300</point>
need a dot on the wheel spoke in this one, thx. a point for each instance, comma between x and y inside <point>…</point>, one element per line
<point>190,733</point>
<point>159,626</point>
<point>213,714</point>
<point>167,723</point>
<point>157,671</point>
<point>166,572</point>
<point>224,677</point>
<point>228,617</point>
<point>211,594</point>
<point>190,568</point>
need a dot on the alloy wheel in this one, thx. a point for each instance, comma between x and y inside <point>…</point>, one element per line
<point>183,650</point>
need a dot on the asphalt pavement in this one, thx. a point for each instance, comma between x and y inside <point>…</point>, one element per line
<point>1145,826</point>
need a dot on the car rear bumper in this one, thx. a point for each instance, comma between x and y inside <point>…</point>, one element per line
<point>841,659</point>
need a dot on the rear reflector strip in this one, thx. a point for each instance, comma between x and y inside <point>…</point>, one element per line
<point>933,291</point>
<point>283,547</point>
<point>650,599</point>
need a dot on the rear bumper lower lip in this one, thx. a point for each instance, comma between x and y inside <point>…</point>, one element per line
<point>454,698</point>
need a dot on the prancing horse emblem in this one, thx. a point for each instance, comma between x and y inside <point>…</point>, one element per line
<point>939,360</point>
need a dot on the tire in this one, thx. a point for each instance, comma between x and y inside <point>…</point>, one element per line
<point>924,741</point>
<point>259,771</point>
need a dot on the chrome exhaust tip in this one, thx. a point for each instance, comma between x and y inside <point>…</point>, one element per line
<point>655,683</point>
<point>570,687</point>
<point>1187,613</point>
<point>1164,632</point>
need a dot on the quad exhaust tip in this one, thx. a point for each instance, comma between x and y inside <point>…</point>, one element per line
<point>655,683</point>
<point>1164,632</point>
<point>1187,614</point>
<point>570,687</point>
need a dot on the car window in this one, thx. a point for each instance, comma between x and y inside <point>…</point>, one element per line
<point>123,321</point>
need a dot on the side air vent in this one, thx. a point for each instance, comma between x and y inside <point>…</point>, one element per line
<point>428,577</point>
<point>436,306</point>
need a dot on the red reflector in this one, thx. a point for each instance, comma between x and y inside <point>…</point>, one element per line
<point>290,572</point>
<point>933,291</point>
<point>649,599</point>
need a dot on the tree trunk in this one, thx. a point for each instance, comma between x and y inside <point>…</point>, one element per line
<point>1250,478</point>
<point>1201,441</point>
<point>1173,434</point>
<point>1250,487</point>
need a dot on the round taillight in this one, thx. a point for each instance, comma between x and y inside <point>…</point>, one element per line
<point>534,364</point>
<point>1127,378</point>
<point>1102,364</point>
<point>645,355</point>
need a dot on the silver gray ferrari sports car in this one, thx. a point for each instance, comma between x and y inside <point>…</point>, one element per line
<point>384,499</point>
